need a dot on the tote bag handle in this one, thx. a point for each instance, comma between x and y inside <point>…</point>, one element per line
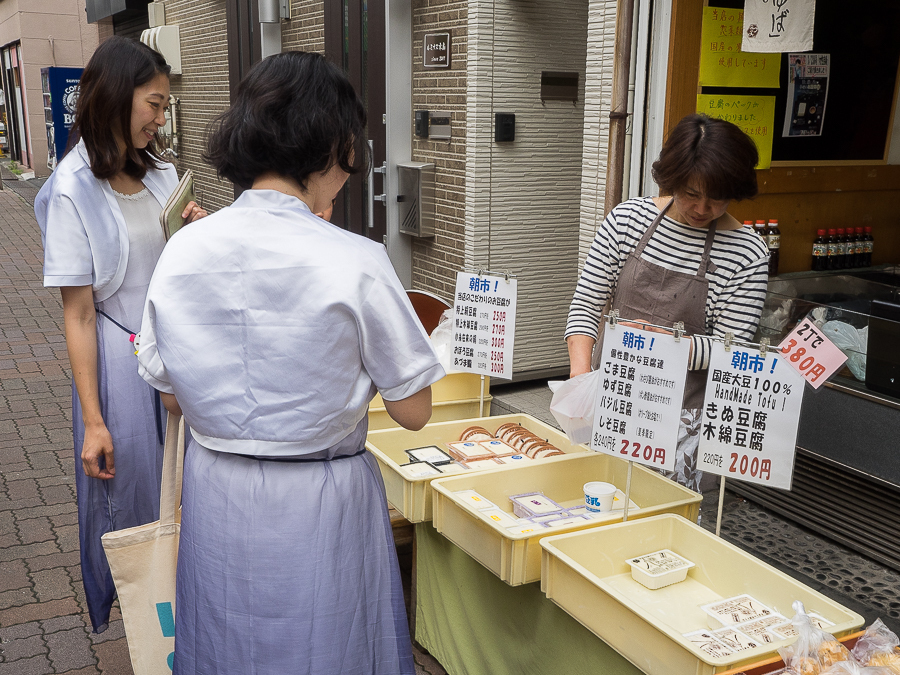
<point>172,471</point>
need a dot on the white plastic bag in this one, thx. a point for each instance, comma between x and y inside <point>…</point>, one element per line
<point>442,341</point>
<point>573,405</point>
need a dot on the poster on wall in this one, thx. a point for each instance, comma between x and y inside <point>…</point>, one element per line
<point>807,94</point>
<point>722,63</point>
<point>778,25</point>
<point>755,115</point>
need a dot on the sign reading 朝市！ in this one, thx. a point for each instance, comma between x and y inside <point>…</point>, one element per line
<point>750,417</point>
<point>484,324</point>
<point>639,396</point>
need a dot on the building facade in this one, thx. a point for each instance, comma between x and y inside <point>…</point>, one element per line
<point>36,34</point>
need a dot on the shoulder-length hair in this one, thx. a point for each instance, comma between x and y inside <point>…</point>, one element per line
<point>715,154</point>
<point>103,112</point>
<point>294,114</point>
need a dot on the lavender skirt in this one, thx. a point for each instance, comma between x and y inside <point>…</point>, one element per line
<point>132,497</point>
<point>287,567</point>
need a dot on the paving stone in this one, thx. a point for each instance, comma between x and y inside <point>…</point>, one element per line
<point>90,670</point>
<point>52,510</point>
<point>62,623</point>
<point>28,551</point>
<point>45,562</point>
<point>115,631</point>
<point>67,537</point>
<point>13,574</point>
<point>13,650</point>
<point>35,530</point>
<point>17,598</point>
<point>113,658</point>
<point>56,494</point>
<point>70,649</point>
<point>37,611</point>
<point>38,665</point>
<point>52,584</point>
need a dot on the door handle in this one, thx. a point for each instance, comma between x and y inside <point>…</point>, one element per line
<point>372,196</point>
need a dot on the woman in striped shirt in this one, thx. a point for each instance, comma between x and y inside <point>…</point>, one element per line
<point>680,257</point>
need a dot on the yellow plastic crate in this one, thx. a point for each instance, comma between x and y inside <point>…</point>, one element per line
<point>451,387</point>
<point>443,411</point>
<point>516,558</point>
<point>412,496</point>
<point>585,573</point>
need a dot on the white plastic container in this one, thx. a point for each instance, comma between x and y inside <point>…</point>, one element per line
<point>659,569</point>
<point>599,496</point>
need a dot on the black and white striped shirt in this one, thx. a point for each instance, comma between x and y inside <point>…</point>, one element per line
<point>737,285</point>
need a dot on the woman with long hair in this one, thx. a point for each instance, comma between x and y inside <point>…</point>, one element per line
<point>99,219</point>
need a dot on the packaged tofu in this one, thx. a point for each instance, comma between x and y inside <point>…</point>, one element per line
<point>474,500</point>
<point>531,504</point>
<point>420,470</point>
<point>739,609</point>
<point>429,453</point>
<point>707,643</point>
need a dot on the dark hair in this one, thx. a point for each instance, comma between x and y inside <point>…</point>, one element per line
<point>103,112</point>
<point>715,153</point>
<point>294,114</point>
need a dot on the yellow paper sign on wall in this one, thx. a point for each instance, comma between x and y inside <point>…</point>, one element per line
<point>755,115</point>
<point>722,63</point>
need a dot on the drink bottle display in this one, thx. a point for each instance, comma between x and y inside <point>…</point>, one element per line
<point>859,245</point>
<point>869,247</point>
<point>841,254</point>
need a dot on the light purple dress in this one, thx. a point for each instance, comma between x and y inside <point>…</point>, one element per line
<point>274,329</point>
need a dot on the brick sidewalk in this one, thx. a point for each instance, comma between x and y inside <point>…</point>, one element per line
<point>43,619</point>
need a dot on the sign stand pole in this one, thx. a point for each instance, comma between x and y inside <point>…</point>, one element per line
<point>721,504</point>
<point>627,492</point>
<point>481,399</point>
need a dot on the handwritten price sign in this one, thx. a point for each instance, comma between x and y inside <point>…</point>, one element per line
<point>811,354</point>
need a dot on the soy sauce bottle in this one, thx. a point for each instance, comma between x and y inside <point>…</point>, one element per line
<point>869,247</point>
<point>832,254</point>
<point>841,255</point>
<point>773,239</point>
<point>819,252</point>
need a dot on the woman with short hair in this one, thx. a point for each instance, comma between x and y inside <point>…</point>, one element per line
<point>99,219</point>
<point>272,330</point>
<point>680,257</point>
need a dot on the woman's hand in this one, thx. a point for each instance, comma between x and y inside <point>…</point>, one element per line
<point>193,212</point>
<point>98,443</point>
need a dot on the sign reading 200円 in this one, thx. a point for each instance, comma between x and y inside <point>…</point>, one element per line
<point>639,397</point>
<point>750,417</point>
<point>484,324</point>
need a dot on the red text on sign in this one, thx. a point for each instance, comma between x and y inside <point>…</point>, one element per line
<point>645,452</point>
<point>756,467</point>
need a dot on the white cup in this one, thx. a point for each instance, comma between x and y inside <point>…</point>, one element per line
<point>599,496</point>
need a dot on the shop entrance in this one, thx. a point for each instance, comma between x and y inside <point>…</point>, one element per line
<point>14,112</point>
<point>354,40</point>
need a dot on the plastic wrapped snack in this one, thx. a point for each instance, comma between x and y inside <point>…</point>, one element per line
<point>879,646</point>
<point>814,651</point>
<point>853,668</point>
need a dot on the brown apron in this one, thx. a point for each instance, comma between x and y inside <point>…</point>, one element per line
<point>648,292</point>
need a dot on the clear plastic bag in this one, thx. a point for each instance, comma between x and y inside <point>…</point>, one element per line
<point>879,646</point>
<point>853,668</point>
<point>814,651</point>
<point>442,341</point>
<point>573,405</point>
<point>852,341</point>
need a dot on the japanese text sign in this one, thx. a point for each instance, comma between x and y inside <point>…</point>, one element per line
<point>755,115</point>
<point>778,25</point>
<point>808,351</point>
<point>639,396</point>
<point>750,417</point>
<point>484,324</point>
<point>722,63</point>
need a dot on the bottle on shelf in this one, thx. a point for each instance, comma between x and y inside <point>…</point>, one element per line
<point>850,245</point>
<point>819,251</point>
<point>841,255</point>
<point>760,228</point>
<point>831,256</point>
<point>773,239</point>
<point>869,247</point>
<point>859,246</point>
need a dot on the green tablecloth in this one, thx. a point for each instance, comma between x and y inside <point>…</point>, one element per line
<point>475,624</point>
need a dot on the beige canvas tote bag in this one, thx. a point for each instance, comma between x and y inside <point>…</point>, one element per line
<point>142,561</point>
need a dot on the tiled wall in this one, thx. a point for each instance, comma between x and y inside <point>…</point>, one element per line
<point>523,198</point>
<point>306,29</point>
<point>202,90</point>
<point>436,261</point>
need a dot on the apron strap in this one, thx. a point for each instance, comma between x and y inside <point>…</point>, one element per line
<point>650,230</point>
<point>705,261</point>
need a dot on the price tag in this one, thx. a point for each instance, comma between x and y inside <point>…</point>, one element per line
<point>811,353</point>
<point>484,324</point>
<point>750,417</point>
<point>639,396</point>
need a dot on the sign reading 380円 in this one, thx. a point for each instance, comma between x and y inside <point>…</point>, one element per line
<point>484,324</point>
<point>750,417</point>
<point>639,396</point>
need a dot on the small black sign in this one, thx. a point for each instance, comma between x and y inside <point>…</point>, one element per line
<point>436,50</point>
